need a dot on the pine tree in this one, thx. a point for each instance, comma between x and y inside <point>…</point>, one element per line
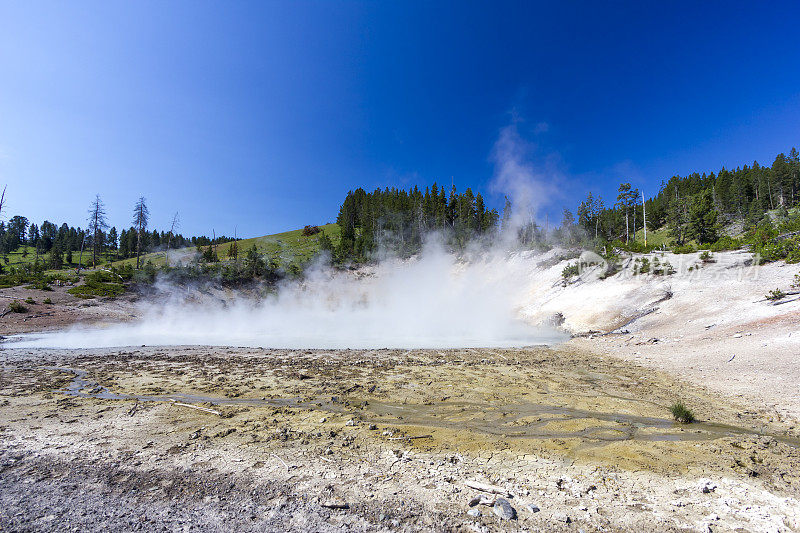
<point>97,224</point>
<point>702,224</point>
<point>141,216</point>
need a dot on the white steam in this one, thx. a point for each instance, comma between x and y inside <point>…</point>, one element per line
<point>517,178</point>
<point>432,301</point>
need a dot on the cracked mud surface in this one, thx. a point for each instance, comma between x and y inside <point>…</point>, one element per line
<point>393,434</point>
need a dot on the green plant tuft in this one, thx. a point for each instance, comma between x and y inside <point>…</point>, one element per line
<point>16,307</point>
<point>707,257</point>
<point>570,270</point>
<point>775,295</point>
<point>681,413</point>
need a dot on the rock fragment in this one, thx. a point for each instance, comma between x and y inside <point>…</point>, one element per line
<point>503,509</point>
<point>335,504</point>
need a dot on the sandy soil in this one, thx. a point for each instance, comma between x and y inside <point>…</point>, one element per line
<point>393,435</point>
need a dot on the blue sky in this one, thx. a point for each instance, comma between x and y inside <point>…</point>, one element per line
<point>260,116</point>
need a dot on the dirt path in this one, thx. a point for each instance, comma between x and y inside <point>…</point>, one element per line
<point>395,435</point>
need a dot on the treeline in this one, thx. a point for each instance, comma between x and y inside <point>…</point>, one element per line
<point>697,206</point>
<point>398,220</point>
<point>60,243</point>
<point>58,246</point>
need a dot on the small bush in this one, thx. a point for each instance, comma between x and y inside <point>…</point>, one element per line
<point>644,267</point>
<point>681,413</point>
<point>30,300</point>
<point>48,301</point>
<point>683,249</point>
<point>310,230</point>
<point>16,307</point>
<point>40,285</point>
<point>612,268</point>
<point>726,243</point>
<point>92,289</point>
<point>796,282</point>
<point>570,271</point>
<point>103,276</point>
<point>665,269</point>
<point>775,295</point>
<point>706,257</point>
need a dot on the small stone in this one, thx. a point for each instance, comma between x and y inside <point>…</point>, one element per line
<point>328,451</point>
<point>532,508</point>
<point>335,504</point>
<point>323,420</point>
<point>474,513</point>
<point>475,501</point>
<point>707,486</point>
<point>350,422</point>
<point>373,427</point>
<point>503,509</point>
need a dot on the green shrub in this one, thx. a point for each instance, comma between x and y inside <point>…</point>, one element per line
<point>775,295</point>
<point>16,307</point>
<point>681,413</point>
<point>570,270</point>
<point>776,249</point>
<point>644,267</point>
<point>683,249</point>
<point>91,289</point>
<point>48,301</point>
<point>706,257</point>
<point>726,243</point>
<point>103,276</point>
<point>664,269</point>
<point>40,285</point>
<point>612,267</point>
<point>30,300</point>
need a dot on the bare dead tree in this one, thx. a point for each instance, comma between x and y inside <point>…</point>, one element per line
<point>141,216</point>
<point>3,198</point>
<point>175,224</point>
<point>80,255</point>
<point>214,242</point>
<point>97,224</point>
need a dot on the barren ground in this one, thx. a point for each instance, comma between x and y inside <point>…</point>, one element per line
<point>395,435</point>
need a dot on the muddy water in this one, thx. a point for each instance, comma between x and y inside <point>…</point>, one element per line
<point>510,420</point>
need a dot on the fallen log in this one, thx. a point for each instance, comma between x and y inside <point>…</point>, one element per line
<point>485,487</point>
<point>199,408</point>
<point>411,437</point>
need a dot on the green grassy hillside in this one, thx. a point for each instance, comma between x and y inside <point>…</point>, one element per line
<point>289,247</point>
<point>655,238</point>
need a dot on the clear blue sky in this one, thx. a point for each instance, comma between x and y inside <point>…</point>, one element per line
<point>262,115</point>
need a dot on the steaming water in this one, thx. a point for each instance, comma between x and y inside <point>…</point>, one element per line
<point>430,302</point>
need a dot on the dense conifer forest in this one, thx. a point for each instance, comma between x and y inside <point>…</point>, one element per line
<point>398,220</point>
<point>715,210</point>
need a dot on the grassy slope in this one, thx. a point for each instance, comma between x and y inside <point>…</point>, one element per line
<point>655,238</point>
<point>287,247</point>
<point>18,257</point>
